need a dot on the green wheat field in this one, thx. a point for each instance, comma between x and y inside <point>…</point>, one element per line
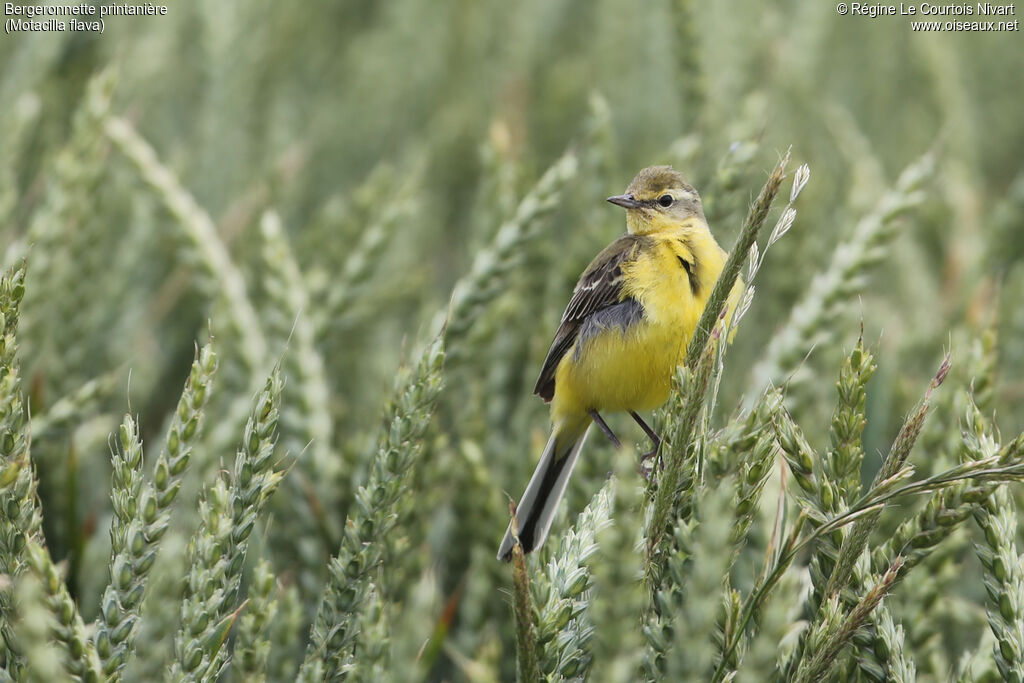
<point>278,279</point>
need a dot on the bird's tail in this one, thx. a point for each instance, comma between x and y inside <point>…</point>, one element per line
<point>539,503</point>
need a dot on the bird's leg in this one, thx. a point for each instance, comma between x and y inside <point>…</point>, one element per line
<point>605,428</point>
<point>646,469</point>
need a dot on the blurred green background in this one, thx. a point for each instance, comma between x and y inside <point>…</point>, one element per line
<point>392,139</point>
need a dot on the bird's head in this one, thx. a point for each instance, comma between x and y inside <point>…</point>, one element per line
<point>659,199</point>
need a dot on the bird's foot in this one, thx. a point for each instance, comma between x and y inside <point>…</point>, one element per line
<point>649,463</point>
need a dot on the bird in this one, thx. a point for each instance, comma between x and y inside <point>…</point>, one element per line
<point>622,335</point>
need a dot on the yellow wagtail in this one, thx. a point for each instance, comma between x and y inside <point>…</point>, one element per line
<point>623,333</point>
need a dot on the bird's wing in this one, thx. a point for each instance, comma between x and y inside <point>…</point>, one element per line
<point>599,287</point>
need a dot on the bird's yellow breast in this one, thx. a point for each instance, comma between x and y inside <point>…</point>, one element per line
<point>631,369</point>
<point>667,279</point>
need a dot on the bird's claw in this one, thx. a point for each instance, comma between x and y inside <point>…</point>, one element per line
<point>646,468</point>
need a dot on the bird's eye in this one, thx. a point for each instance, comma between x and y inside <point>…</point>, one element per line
<point>665,200</point>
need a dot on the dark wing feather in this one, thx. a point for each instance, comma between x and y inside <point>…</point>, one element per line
<point>599,287</point>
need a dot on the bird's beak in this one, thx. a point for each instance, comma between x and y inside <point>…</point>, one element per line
<point>626,201</point>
